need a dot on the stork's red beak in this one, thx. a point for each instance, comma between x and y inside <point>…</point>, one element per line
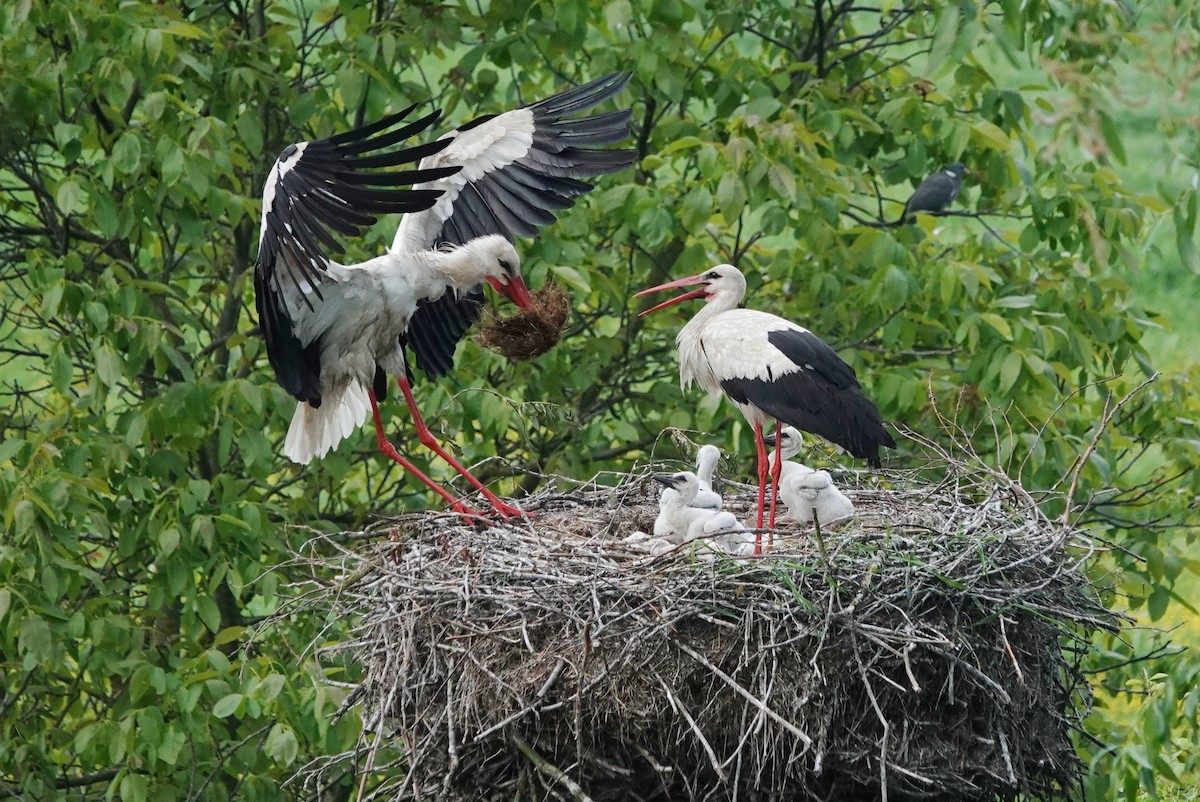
<point>670,285</point>
<point>515,291</point>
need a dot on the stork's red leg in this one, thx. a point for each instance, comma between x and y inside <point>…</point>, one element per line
<point>776,471</point>
<point>430,442</point>
<point>763,461</point>
<point>390,450</point>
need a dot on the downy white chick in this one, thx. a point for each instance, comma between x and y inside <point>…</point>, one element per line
<point>729,533</point>
<point>706,499</point>
<point>791,443</point>
<point>812,493</point>
<point>677,520</point>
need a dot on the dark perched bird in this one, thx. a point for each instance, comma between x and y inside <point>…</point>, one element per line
<point>334,332</point>
<point>935,193</point>
<point>773,370</point>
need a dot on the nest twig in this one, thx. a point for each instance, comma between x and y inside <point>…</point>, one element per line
<point>932,654</point>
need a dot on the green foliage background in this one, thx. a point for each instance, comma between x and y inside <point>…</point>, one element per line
<point>149,521</point>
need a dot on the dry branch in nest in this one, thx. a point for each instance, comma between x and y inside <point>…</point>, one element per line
<point>932,653</point>
<point>526,335</point>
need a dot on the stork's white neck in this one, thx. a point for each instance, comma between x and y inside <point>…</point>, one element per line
<point>706,463</point>
<point>717,303</point>
<point>467,265</point>
<point>682,497</point>
<point>458,268</point>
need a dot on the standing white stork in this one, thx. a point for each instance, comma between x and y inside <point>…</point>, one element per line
<point>333,332</point>
<point>773,370</point>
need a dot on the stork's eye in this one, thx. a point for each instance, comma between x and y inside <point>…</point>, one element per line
<point>506,266</point>
<point>712,275</point>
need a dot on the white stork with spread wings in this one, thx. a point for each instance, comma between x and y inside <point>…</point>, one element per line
<point>334,332</point>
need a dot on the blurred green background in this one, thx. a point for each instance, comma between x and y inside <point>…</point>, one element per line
<point>150,523</point>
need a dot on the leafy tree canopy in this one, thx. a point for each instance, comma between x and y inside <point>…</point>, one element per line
<point>149,515</point>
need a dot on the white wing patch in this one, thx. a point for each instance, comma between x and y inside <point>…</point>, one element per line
<point>734,345</point>
<point>490,146</point>
<point>280,167</point>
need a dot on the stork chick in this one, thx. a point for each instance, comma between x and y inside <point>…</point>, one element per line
<point>788,444</point>
<point>706,464</point>
<point>677,520</point>
<point>813,495</point>
<point>727,532</point>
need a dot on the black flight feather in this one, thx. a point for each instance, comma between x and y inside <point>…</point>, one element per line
<point>322,191</point>
<point>517,198</point>
<point>821,396</point>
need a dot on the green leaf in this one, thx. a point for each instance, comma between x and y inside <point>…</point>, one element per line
<point>681,144</point>
<point>731,197</point>
<point>695,209</point>
<point>227,705</point>
<point>249,127</point>
<point>989,135</point>
<point>209,613</point>
<point>52,299</point>
<point>1185,242</point>
<point>35,642</point>
<point>943,39</point>
<point>133,788</point>
<point>281,745</point>
<point>139,683</point>
<point>108,366</point>
<point>154,104</point>
<point>105,212</point>
<point>1111,136</point>
<point>154,42</point>
<point>1157,603</point>
<point>352,83</point>
<point>271,687</point>
<point>172,165</point>
<point>1010,371</point>
<point>782,181</point>
<point>127,153</point>
<point>171,745</point>
<point>998,323</point>
<point>168,540</point>
<point>185,30</point>
<point>894,291</point>
<point>62,371</point>
<point>234,521</point>
<point>1030,238</point>
<point>1015,301</point>
<point>10,448</point>
<point>67,197</point>
<point>228,635</point>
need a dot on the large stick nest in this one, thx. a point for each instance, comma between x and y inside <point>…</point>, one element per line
<point>932,653</point>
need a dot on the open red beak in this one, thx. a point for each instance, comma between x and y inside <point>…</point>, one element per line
<point>515,291</point>
<point>670,285</point>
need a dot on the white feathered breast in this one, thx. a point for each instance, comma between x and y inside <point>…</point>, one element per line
<point>732,345</point>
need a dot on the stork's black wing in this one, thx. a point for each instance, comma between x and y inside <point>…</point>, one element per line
<point>316,189</point>
<point>511,188</point>
<point>822,395</point>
